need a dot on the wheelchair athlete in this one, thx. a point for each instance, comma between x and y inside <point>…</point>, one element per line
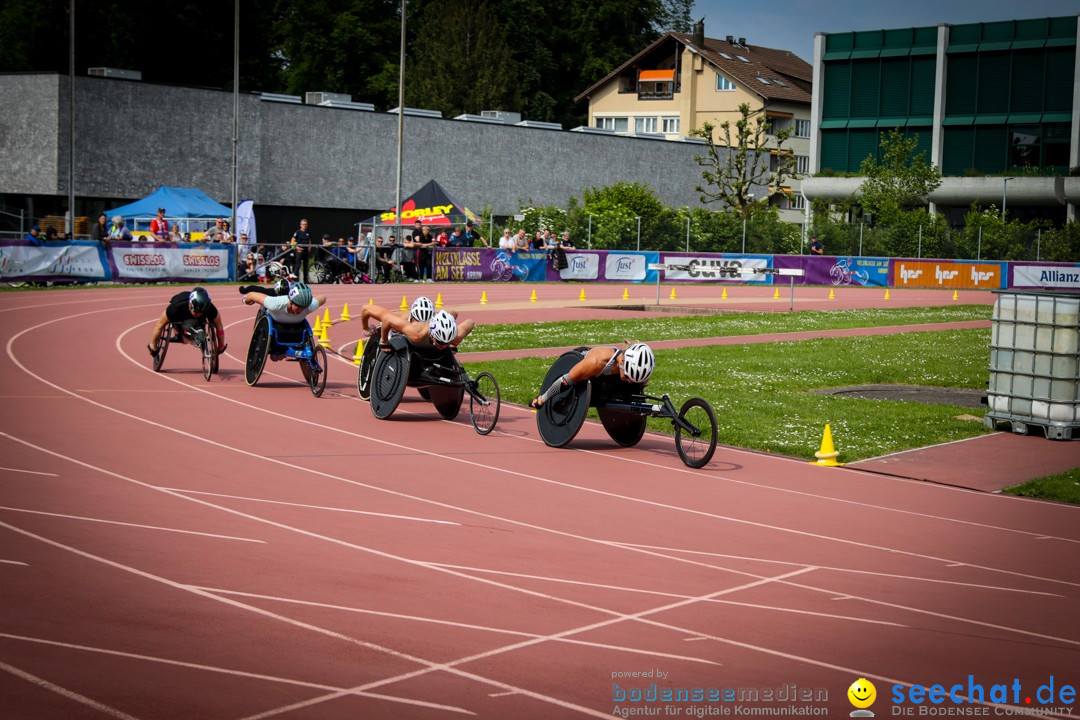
<point>278,289</point>
<point>291,308</point>
<point>187,311</point>
<point>422,310</point>
<point>635,364</point>
<point>441,332</point>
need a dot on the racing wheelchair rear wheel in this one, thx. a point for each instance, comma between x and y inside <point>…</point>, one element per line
<point>258,349</point>
<point>696,447</point>
<point>162,346</point>
<point>484,402</point>
<point>316,368</point>
<point>388,380</point>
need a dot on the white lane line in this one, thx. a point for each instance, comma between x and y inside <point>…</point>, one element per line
<point>134,525</point>
<point>13,562</point>
<point>602,586</point>
<point>313,507</point>
<point>28,472</point>
<point>915,578</point>
<point>224,671</point>
<point>461,625</point>
<point>69,694</point>
<point>641,615</point>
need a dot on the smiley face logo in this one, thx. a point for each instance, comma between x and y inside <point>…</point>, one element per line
<point>862,693</point>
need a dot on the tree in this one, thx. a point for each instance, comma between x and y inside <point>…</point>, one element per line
<point>901,180</point>
<point>472,73</point>
<point>676,16</point>
<point>733,169</point>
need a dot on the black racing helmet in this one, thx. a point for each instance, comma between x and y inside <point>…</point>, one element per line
<point>199,300</point>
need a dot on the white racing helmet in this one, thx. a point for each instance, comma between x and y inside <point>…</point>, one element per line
<point>639,362</point>
<point>422,309</point>
<point>443,328</point>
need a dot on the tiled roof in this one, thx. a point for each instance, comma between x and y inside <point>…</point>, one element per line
<point>761,62</point>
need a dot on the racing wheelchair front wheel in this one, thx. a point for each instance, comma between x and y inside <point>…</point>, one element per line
<point>316,369</point>
<point>258,349</point>
<point>209,351</point>
<point>484,402</point>
<point>162,346</point>
<point>695,433</point>
<point>367,363</point>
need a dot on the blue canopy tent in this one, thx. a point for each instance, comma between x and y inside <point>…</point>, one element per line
<point>181,205</point>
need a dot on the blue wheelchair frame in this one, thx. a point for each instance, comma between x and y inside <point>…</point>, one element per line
<point>296,342</point>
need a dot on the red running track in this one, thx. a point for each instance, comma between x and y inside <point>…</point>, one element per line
<point>173,548</point>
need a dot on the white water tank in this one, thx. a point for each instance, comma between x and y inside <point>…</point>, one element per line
<point>1035,362</point>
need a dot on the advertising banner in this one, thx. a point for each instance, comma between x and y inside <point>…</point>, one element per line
<point>142,262</point>
<point>712,268</point>
<point>948,274</point>
<point>80,260</point>
<point>1044,275</point>
<point>628,267</point>
<point>488,264</point>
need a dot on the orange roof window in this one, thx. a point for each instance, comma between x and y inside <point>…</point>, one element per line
<point>656,76</point>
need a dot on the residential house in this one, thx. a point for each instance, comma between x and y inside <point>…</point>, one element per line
<point>682,81</point>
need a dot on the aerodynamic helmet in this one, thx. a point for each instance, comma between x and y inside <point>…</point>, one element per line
<point>300,294</point>
<point>422,309</point>
<point>638,362</point>
<point>443,328</point>
<point>199,300</point>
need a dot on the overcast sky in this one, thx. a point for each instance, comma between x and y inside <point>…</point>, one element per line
<point>791,24</point>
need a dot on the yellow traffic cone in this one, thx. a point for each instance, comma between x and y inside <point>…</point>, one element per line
<point>438,300</point>
<point>955,295</point>
<point>371,301</point>
<point>345,313</point>
<point>886,293</point>
<point>582,295</point>
<point>324,339</point>
<point>776,294</point>
<point>625,294</point>
<point>723,295</point>
<point>326,321</point>
<point>404,303</point>
<point>318,326</point>
<point>673,296</point>
<point>483,297</point>
<point>832,294</point>
<point>826,456</point>
<point>533,298</point>
<point>359,354</point>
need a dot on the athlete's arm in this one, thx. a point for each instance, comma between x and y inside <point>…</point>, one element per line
<point>158,327</point>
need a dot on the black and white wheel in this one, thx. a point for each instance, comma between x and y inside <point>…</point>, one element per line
<point>316,374</point>
<point>209,351</point>
<point>258,349</point>
<point>484,403</point>
<point>162,346</point>
<point>696,447</point>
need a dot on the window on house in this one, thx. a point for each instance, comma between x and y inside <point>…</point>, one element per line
<point>670,125</point>
<point>802,164</point>
<point>1025,145</point>
<point>618,124</point>
<point>722,83</point>
<point>645,125</point>
<point>802,128</point>
<point>779,82</point>
<point>763,81</point>
<point>798,202</point>
<point>725,56</point>
<point>742,58</point>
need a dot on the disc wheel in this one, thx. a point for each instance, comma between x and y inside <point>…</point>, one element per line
<point>258,349</point>
<point>696,448</point>
<point>388,379</point>
<point>367,363</point>
<point>484,403</point>
<point>316,374</point>
<point>162,346</point>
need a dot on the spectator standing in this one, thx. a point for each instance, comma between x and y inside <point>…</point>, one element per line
<point>101,230</point>
<point>50,234</point>
<point>506,242</point>
<point>117,231</point>
<point>175,235</point>
<point>456,238</point>
<point>537,242</point>
<point>213,234</point>
<point>469,238</point>
<point>423,260</point>
<point>816,248</point>
<point>34,236</point>
<point>301,240</point>
<point>159,226</point>
<point>521,241</point>
<point>226,233</point>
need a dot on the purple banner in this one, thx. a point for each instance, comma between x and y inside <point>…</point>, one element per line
<point>839,271</point>
<point>488,265</point>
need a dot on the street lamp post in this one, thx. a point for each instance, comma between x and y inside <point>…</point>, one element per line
<point>1005,195</point>
<point>639,234</point>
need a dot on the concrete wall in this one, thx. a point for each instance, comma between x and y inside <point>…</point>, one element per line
<point>132,137</point>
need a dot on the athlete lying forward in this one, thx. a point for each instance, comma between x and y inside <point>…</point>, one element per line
<point>635,364</point>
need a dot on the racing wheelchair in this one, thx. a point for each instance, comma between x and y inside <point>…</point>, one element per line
<point>437,375</point>
<point>623,409</point>
<point>203,336</point>
<point>295,342</point>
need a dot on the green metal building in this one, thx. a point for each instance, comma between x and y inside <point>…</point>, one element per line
<point>986,100</point>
